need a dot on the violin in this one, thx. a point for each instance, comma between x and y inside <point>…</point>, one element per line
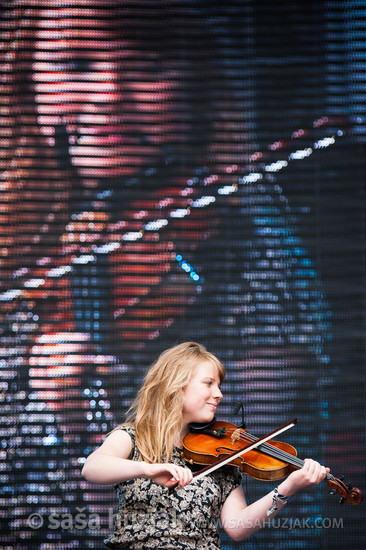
<point>216,442</point>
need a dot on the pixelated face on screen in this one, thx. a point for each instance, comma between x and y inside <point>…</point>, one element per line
<point>117,97</point>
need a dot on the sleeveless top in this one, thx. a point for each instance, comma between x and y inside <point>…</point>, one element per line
<point>189,518</point>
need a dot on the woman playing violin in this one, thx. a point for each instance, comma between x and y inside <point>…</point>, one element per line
<point>143,458</point>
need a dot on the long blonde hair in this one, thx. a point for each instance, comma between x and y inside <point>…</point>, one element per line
<point>157,411</point>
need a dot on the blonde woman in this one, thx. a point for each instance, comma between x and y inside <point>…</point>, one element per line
<point>142,458</point>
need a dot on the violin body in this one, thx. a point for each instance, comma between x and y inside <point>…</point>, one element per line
<point>268,460</point>
<point>204,449</point>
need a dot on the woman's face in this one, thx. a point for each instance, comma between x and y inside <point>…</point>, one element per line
<point>202,395</point>
<point>109,101</point>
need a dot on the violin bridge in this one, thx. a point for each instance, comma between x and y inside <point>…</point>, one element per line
<point>235,436</point>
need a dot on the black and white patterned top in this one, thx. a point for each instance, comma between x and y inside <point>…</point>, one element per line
<point>189,518</point>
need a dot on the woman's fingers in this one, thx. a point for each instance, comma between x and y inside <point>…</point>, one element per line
<point>168,474</point>
<point>313,471</point>
<point>182,475</point>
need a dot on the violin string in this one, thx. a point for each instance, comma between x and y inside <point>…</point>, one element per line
<point>286,457</point>
<point>273,451</point>
<point>279,454</point>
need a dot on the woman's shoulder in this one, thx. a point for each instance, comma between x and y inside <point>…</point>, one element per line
<point>126,427</point>
<point>129,431</point>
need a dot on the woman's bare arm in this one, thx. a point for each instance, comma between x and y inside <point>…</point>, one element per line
<point>110,464</point>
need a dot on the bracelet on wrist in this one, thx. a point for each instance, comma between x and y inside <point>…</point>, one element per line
<point>282,497</point>
<point>276,497</point>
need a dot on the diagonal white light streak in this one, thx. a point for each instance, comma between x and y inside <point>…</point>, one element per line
<point>155,225</point>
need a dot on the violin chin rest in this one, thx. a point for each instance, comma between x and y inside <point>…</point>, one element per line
<point>198,427</point>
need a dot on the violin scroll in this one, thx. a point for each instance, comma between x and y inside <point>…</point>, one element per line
<point>346,492</point>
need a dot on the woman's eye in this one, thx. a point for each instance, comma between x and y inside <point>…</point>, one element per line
<point>79,65</point>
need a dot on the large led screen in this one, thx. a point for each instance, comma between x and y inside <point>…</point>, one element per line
<point>174,171</point>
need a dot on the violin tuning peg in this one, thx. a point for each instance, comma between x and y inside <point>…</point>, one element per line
<point>341,500</point>
<point>341,478</point>
<point>332,491</point>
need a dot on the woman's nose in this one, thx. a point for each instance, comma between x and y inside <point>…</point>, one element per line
<point>217,393</point>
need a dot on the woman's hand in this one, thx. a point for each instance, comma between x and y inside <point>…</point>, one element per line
<point>167,474</point>
<point>312,473</point>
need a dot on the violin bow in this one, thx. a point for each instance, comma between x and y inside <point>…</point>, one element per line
<point>227,459</point>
